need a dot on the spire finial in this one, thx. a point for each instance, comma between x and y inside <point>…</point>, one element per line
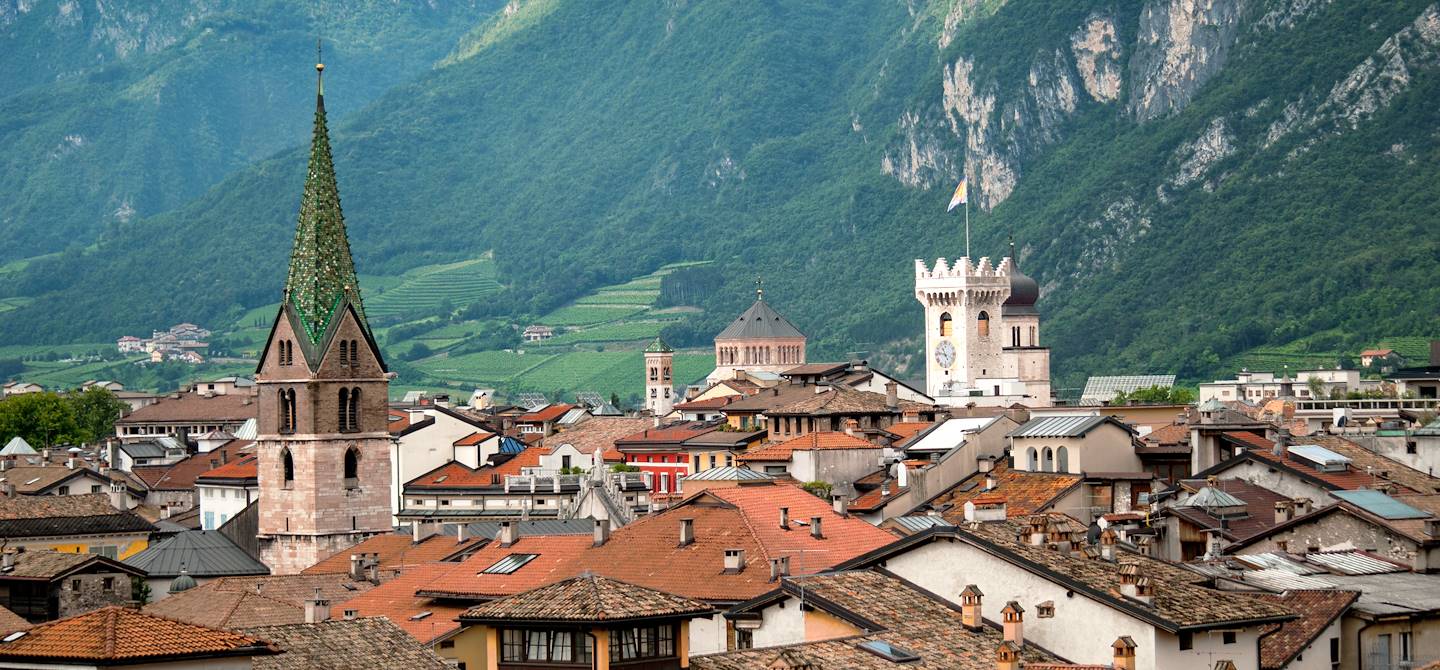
<point>319,68</point>
<point>759,288</point>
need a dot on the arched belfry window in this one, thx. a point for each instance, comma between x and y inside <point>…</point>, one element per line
<point>1049,459</point>
<point>354,409</point>
<point>348,410</point>
<point>982,324</point>
<point>354,352</point>
<point>288,464</point>
<point>352,468</point>
<point>287,410</point>
<point>947,326</point>
<point>286,352</point>
<point>1062,460</point>
<point>345,353</point>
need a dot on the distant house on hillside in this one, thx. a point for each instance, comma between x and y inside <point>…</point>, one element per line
<point>537,333</point>
<point>20,388</point>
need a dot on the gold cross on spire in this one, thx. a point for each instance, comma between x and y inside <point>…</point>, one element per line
<point>759,288</point>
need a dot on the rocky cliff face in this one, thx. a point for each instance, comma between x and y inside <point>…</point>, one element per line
<point>1179,46</point>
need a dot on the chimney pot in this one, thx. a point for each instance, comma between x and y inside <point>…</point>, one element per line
<point>815,528</point>
<point>1282,510</point>
<point>842,505</point>
<point>317,609</point>
<point>1013,619</point>
<point>892,395</point>
<point>785,518</point>
<point>602,532</point>
<point>507,534</point>
<point>1007,656</point>
<point>687,532</point>
<point>970,607</point>
<point>779,567</point>
<point>460,533</point>
<point>1123,649</point>
<point>357,567</point>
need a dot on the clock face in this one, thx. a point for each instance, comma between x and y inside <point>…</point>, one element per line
<point>945,353</point>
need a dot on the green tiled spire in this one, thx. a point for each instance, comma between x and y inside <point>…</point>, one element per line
<point>321,269</point>
<point>658,346</point>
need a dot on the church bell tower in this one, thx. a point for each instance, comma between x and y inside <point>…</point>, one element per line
<point>323,443</point>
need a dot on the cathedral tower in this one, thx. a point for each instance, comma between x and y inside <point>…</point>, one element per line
<point>659,378</point>
<point>963,340</point>
<point>323,443</point>
<point>759,340</point>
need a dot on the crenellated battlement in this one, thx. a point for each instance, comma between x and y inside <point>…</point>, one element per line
<point>962,268</point>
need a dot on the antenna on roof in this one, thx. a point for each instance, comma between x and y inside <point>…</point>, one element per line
<point>759,288</point>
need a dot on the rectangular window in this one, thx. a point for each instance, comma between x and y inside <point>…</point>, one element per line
<point>1334,653</point>
<point>537,643</point>
<point>744,639</point>
<point>512,645</point>
<point>1227,637</point>
<point>560,646</point>
<point>108,584</point>
<point>74,585</point>
<point>94,488</point>
<point>209,521</point>
<point>1405,649</point>
<point>1187,642</point>
<point>64,491</point>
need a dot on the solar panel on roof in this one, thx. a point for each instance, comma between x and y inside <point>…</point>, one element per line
<point>1104,388</point>
<point>1324,459</point>
<point>1381,505</point>
<point>509,564</point>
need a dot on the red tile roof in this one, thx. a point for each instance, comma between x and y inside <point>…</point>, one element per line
<point>458,475</point>
<point>600,432</point>
<point>556,557</point>
<point>395,550</point>
<point>193,407</point>
<point>671,434</point>
<point>1281,643</point>
<point>1171,435</point>
<point>245,468</point>
<point>708,403</point>
<point>1025,492</point>
<point>1259,503</point>
<point>908,429</point>
<point>814,441</point>
<point>474,438</point>
<point>396,601</point>
<point>588,598</point>
<point>181,476</point>
<point>547,413</point>
<point>121,634</point>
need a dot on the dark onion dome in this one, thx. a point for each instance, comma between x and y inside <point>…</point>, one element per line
<point>1024,291</point>
<point>182,583</point>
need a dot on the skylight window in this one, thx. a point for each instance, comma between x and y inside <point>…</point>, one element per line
<point>14,636</point>
<point>421,615</point>
<point>889,651</point>
<point>509,564</point>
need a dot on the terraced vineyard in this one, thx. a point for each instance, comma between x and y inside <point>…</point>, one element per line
<point>424,288</point>
<point>1416,350</point>
<point>484,367</point>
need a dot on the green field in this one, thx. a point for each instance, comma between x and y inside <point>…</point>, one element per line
<point>1415,350</point>
<point>623,331</point>
<point>425,288</point>
<point>583,315</point>
<point>495,367</point>
<point>620,372</point>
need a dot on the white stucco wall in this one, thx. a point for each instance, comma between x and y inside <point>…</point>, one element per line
<point>1284,483</point>
<point>1316,656</point>
<point>780,625</point>
<point>219,504</point>
<point>707,636</point>
<point>426,449</point>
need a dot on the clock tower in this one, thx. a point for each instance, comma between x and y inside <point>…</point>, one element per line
<point>964,340</point>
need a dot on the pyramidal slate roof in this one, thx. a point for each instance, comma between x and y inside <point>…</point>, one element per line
<point>322,271</point>
<point>759,322</point>
<point>1213,497</point>
<point>18,447</point>
<point>658,346</point>
<point>201,553</point>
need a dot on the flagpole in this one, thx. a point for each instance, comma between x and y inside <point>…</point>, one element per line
<point>967,223</point>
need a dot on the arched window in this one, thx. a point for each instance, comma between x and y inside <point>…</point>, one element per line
<point>1015,336</point>
<point>982,324</point>
<point>354,409</point>
<point>1032,460</point>
<point>287,410</point>
<point>345,353</point>
<point>1062,460</point>
<point>287,352</point>
<point>354,352</point>
<point>288,463</point>
<point>342,422</point>
<point>352,468</point>
<point>947,328</point>
<point>1034,337</point>
<point>1049,460</point>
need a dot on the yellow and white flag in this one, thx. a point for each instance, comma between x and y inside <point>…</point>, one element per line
<point>959,197</point>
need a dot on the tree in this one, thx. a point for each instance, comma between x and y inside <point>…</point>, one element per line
<point>1316,385</point>
<point>1161,395</point>
<point>96,410</point>
<point>43,419</point>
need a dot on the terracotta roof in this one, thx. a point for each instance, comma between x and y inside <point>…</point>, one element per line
<point>600,432</point>
<point>341,644</point>
<point>844,400</point>
<point>1174,434</point>
<point>894,611</point>
<point>244,469</point>
<point>120,634</point>
<point>672,434</point>
<point>474,438</point>
<point>181,475</point>
<point>587,598</point>
<point>547,413</point>
<point>647,552</point>
<point>814,441</point>
<point>239,602</point>
<point>1281,643</point>
<point>458,475</point>
<point>908,429</point>
<point>396,601</point>
<point>193,407</point>
<point>395,550</point>
<point>878,488</point>
<point>48,565</point>
<point>1365,465</point>
<point>1025,492</point>
<point>1259,504</point>
<point>11,622</point>
<point>1180,601</point>
<point>91,513</point>
<point>708,403</point>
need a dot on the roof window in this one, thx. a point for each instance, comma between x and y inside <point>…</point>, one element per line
<point>509,564</point>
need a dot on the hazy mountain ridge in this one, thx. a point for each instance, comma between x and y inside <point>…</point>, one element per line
<point>1187,178</point>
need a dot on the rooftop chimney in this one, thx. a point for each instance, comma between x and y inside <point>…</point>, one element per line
<point>970,612</point>
<point>357,567</point>
<point>70,463</point>
<point>785,518</point>
<point>852,426</point>
<point>985,465</point>
<point>317,609</point>
<point>779,567</point>
<point>1214,542</point>
<point>507,534</point>
<point>892,396</point>
<point>415,531</point>
<point>842,504</point>
<point>734,560</point>
<point>687,532</point>
<point>1282,510</point>
<point>460,533</point>
<point>1302,506</point>
<point>602,532</point>
<point>1108,538</point>
<point>1037,530</point>
<point>815,528</point>
<point>1144,545</point>
<point>7,560</point>
<point>1007,656</point>
<point>1282,442</point>
<point>1124,650</point>
<point>1014,622</point>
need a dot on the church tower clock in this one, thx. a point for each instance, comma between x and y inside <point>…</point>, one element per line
<point>323,443</point>
<point>963,338</point>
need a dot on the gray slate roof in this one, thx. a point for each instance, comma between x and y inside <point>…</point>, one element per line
<point>18,447</point>
<point>203,553</point>
<point>729,473</point>
<point>344,643</point>
<point>759,322</point>
<point>1063,426</point>
<point>491,529</point>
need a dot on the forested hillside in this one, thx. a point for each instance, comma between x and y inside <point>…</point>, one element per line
<point>1187,180</point>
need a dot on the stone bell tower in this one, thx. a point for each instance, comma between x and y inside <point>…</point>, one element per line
<point>963,338</point>
<point>323,443</point>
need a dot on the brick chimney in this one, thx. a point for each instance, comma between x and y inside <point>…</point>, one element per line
<point>1145,545</point>
<point>687,532</point>
<point>1037,530</point>
<point>1007,656</point>
<point>892,396</point>
<point>317,609</point>
<point>602,532</point>
<point>815,528</point>
<point>842,504</point>
<point>1283,509</point>
<point>1014,622</point>
<point>734,560</point>
<point>507,534</point>
<point>971,615</point>
<point>1124,651</point>
<point>852,426</point>
<point>1302,506</point>
<point>779,567</point>
<point>785,518</point>
<point>1108,540</point>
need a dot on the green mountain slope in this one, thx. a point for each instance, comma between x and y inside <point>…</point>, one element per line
<point>117,111</point>
<point>1186,180</point>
